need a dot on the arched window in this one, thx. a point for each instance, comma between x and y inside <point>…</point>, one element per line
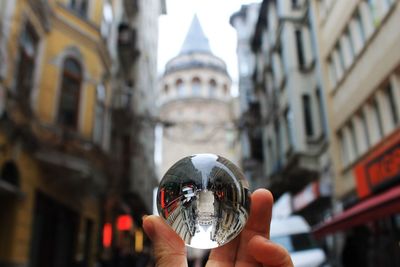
<point>196,86</point>
<point>180,87</point>
<point>212,87</point>
<point>70,93</point>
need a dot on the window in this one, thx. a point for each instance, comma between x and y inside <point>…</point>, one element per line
<point>26,64</point>
<point>350,42</point>
<point>300,48</point>
<point>332,72</point>
<point>212,88</point>
<point>196,86</point>
<point>270,153</point>
<point>277,139</point>
<point>392,104</point>
<point>365,128</point>
<point>320,108</point>
<point>343,148</point>
<point>378,9</point>
<point>79,6</point>
<point>180,87</point>
<point>288,122</point>
<point>378,117</point>
<point>70,93</point>
<point>353,138</point>
<point>99,114</point>
<point>360,26</point>
<point>341,56</point>
<point>307,112</point>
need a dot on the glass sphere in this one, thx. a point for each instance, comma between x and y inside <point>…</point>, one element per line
<point>205,199</point>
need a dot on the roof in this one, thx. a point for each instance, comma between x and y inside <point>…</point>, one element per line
<point>195,40</point>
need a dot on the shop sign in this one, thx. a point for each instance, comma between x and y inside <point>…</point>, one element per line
<point>380,167</point>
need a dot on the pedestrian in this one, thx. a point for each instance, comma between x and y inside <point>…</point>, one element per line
<point>251,248</point>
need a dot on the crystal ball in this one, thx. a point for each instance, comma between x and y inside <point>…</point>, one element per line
<point>205,198</point>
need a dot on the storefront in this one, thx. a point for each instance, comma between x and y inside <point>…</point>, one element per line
<point>372,226</point>
<point>313,202</point>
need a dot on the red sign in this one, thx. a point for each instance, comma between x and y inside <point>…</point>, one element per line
<point>381,165</point>
<point>107,235</point>
<point>124,223</point>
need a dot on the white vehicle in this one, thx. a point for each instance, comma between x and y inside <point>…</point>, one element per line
<point>294,233</point>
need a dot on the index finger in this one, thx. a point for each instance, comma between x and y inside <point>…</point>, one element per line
<point>260,212</point>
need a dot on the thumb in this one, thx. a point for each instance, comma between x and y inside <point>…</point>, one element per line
<point>169,248</point>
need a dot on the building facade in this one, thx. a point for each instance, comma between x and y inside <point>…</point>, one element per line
<point>250,129</point>
<point>53,64</point>
<point>195,99</point>
<point>289,104</point>
<point>134,117</point>
<point>358,47</point>
<point>77,109</point>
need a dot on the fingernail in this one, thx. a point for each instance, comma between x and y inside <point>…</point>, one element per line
<point>144,217</point>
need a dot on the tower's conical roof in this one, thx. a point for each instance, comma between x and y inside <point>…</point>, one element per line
<point>195,40</point>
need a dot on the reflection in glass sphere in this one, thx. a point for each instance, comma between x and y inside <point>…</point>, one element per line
<point>205,199</point>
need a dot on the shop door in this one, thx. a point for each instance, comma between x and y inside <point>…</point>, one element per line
<point>54,234</point>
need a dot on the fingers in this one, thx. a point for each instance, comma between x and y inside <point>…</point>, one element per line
<point>257,224</point>
<point>260,212</point>
<point>169,248</point>
<point>269,253</point>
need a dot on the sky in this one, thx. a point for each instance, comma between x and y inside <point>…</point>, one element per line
<point>214,18</point>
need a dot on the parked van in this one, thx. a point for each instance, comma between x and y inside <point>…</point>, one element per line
<point>294,233</point>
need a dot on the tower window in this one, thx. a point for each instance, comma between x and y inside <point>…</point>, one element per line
<point>212,88</point>
<point>180,87</point>
<point>196,86</point>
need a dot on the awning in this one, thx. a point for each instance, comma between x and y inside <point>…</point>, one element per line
<point>371,209</point>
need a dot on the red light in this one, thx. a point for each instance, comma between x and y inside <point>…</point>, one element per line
<point>162,198</point>
<point>124,223</point>
<point>107,235</point>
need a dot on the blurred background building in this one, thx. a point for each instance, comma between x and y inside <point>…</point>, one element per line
<point>195,99</point>
<point>250,128</point>
<point>316,122</point>
<point>52,169</point>
<point>285,98</point>
<point>325,84</point>
<point>358,46</point>
<point>75,111</point>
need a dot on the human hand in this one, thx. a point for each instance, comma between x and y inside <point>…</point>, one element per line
<point>250,248</point>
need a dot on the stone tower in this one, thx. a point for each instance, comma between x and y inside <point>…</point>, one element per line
<point>195,97</point>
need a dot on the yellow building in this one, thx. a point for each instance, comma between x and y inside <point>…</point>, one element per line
<point>54,101</point>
